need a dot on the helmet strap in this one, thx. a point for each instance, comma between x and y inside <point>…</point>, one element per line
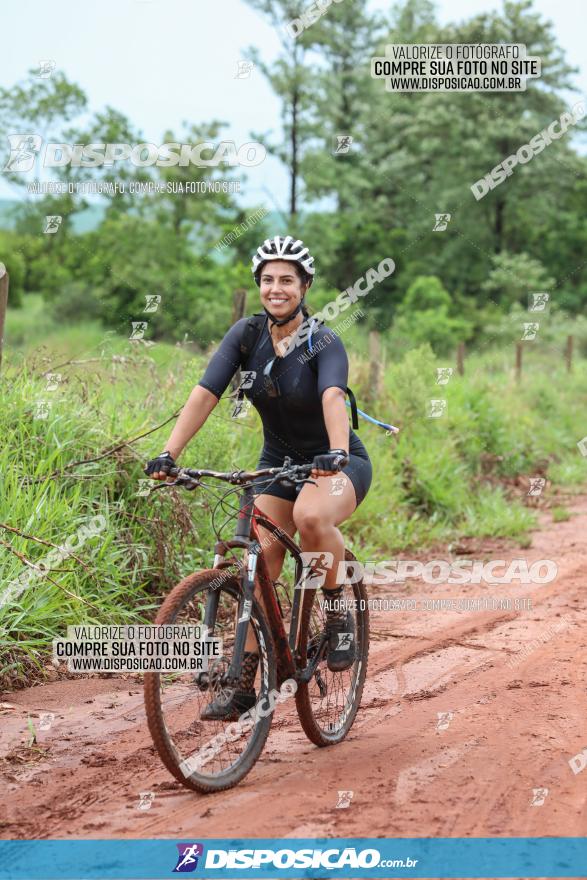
<point>278,322</point>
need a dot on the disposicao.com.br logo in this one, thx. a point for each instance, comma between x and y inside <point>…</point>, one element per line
<point>332,858</point>
<point>187,860</point>
<point>25,148</point>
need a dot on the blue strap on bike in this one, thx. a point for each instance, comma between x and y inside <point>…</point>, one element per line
<point>389,428</point>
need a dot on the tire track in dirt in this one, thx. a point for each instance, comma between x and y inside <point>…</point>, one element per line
<point>515,686</point>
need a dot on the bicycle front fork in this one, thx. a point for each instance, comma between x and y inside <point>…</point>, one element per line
<point>244,613</point>
<point>252,549</point>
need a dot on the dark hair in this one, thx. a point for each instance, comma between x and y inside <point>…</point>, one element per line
<point>300,271</point>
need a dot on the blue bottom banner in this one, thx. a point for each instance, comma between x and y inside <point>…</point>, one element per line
<point>257,858</point>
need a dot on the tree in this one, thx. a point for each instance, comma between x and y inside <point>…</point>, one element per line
<point>40,107</point>
<point>513,277</point>
<point>423,316</point>
<point>291,80</point>
<point>424,151</point>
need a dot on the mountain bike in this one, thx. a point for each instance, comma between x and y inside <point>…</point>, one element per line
<point>288,622</point>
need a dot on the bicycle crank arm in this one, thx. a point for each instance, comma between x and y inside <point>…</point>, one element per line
<point>308,671</point>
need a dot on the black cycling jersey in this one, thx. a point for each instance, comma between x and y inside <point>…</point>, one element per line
<point>293,420</point>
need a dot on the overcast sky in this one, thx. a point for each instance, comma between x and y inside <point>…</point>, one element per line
<point>164,61</point>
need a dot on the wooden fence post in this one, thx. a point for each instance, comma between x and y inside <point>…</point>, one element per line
<point>569,353</point>
<point>239,304</point>
<point>4,282</point>
<point>518,361</point>
<point>374,389</point>
<point>461,359</point>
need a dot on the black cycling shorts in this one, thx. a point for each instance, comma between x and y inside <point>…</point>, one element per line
<point>358,470</point>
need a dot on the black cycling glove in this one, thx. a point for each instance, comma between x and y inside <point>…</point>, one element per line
<point>164,462</point>
<point>333,460</point>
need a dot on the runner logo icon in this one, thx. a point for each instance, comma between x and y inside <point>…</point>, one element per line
<point>187,861</point>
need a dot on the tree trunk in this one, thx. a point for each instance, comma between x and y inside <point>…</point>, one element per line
<point>293,207</point>
<point>344,123</point>
<point>498,225</point>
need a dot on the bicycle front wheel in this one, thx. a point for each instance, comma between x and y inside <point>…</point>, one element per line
<point>209,756</point>
<point>328,703</point>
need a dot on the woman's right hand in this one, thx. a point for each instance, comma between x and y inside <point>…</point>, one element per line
<point>158,468</point>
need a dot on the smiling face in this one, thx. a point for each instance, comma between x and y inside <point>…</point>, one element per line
<point>281,287</point>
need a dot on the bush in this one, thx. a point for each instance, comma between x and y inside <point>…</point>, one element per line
<point>76,302</point>
<point>554,327</point>
<point>423,317</point>
<point>514,276</point>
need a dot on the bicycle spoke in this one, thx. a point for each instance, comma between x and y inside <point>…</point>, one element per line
<point>182,697</point>
<point>330,701</point>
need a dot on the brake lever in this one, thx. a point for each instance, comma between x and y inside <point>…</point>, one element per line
<point>164,485</point>
<point>188,483</point>
<point>306,480</point>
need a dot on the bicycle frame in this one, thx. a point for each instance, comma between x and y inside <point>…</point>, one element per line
<point>255,568</point>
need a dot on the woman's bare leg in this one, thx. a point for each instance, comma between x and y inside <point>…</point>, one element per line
<point>280,512</point>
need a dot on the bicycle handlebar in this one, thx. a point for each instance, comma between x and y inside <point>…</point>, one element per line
<point>288,471</point>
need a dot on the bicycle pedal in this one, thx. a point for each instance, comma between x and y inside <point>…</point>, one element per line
<point>202,681</point>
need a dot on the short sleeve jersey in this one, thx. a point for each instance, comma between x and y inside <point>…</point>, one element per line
<point>293,420</point>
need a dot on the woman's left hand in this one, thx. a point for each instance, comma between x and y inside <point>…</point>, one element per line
<point>329,463</point>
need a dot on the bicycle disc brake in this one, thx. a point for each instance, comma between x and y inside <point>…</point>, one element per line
<point>217,681</point>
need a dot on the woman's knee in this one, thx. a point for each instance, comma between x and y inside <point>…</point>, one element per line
<point>311,521</point>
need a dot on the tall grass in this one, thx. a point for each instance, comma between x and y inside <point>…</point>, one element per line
<point>441,478</point>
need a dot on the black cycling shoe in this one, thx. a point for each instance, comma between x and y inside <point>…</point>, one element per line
<point>341,643</point>
<point>218,710</point>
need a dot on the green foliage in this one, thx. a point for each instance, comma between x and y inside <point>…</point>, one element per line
<point>424,294</point>
<point>29,326</point>
<point>555,325</point>
<point>15,266</point>
<point>423,316</point>
<point>439,479</point>
<point>560,514</point>
<point>411,156</point>
<point>514,276</point>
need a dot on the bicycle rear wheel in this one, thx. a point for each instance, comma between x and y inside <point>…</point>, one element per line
<point>328,703</point>
<point>209,755</point>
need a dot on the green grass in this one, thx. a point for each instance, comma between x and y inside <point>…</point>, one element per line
<point>560,514</point>
<point>439,480</point>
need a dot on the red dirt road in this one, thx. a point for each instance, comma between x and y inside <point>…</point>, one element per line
<point>514,681</point>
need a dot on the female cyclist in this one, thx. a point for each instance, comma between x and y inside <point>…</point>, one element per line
<point>304,417</point>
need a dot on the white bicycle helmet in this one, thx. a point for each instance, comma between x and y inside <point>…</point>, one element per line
<point>284,248</point>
